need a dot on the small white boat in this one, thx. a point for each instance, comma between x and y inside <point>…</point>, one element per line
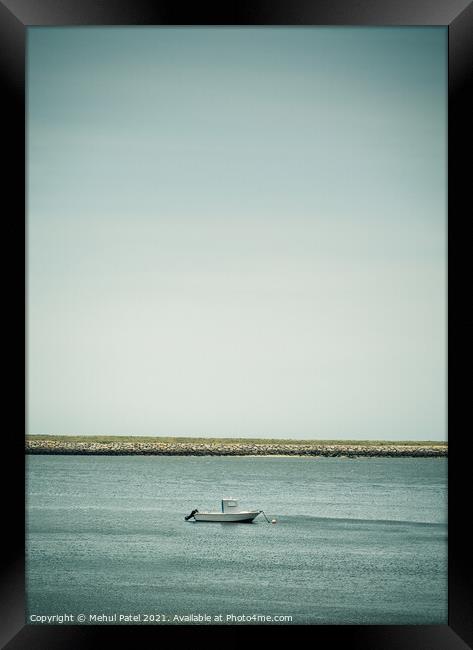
<point>230,513</point>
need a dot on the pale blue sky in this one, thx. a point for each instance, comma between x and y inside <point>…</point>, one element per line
<point>237,232</point>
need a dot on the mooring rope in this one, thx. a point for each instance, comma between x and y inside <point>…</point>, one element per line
<point>264,515</point>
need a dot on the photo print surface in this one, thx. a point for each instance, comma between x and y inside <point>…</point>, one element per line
<point>236,289</point>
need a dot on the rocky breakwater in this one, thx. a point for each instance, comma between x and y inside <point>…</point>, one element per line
<point>125,448</point>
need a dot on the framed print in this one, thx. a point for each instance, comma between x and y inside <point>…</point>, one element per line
<point>235,224</point>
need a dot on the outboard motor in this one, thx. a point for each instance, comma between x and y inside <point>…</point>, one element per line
<point>191,514</point>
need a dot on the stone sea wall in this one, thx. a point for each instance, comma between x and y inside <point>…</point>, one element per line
<point>118,448</point>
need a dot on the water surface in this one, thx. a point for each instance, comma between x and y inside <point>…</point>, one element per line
<point>357,541</point>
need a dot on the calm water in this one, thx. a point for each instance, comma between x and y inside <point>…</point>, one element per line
<point>360,541</point>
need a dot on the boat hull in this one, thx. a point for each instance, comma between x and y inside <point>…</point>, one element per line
<point>230,517</point>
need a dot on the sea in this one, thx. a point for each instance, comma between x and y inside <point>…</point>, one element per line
<point>358,541</point>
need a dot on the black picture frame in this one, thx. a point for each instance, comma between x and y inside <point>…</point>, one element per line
<point>15,17</point>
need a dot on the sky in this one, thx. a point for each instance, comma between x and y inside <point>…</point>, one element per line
<point>237,232</point>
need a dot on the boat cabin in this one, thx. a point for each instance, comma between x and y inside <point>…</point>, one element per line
<point>230,505</point>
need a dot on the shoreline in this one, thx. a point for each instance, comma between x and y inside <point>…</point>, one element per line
<point>50,446</point>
